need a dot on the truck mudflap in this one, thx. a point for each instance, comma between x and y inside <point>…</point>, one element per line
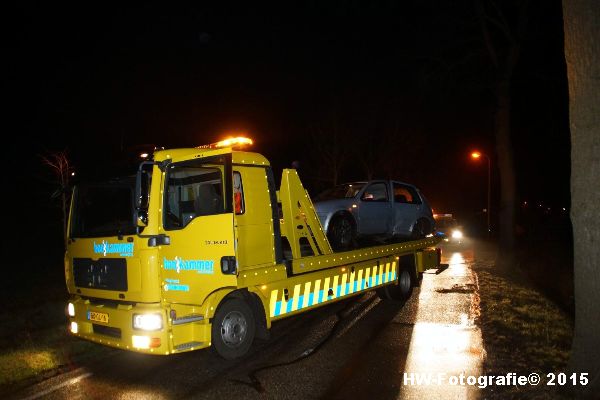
<point>112,324</point>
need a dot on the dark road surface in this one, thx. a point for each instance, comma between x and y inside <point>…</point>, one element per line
<point>359,348</point>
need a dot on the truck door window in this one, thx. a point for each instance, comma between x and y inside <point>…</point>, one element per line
<point>192,191</point>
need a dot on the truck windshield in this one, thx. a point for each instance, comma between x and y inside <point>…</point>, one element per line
<point>104,209</point>
<point>345,191</point>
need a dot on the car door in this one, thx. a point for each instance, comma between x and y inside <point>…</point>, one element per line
<point>375,209</point>
<point>406,205</point>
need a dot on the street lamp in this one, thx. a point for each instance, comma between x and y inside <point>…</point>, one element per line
<point>476,155</point>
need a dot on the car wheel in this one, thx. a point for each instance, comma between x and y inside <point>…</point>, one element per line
<point>420,229</point>
<point>341,233</point>
<point>233,329</point>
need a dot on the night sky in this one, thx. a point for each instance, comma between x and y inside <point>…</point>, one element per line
<point>101,81</point>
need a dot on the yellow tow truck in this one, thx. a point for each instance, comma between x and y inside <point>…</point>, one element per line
<point>199,249</point>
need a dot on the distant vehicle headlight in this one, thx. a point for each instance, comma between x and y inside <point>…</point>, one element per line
<point>456,234</point>
<point>147,322</point>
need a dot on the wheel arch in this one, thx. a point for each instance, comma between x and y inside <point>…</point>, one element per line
<point>252,299</point>
<point>429,225</point>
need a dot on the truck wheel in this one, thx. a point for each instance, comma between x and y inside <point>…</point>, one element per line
<point>400,292</point>
<point>233,329</point>
<point>341,233</point>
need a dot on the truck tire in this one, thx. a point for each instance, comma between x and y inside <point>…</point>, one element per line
<point>341,233</point>
<point>233,329</point>
<point>400,292</point>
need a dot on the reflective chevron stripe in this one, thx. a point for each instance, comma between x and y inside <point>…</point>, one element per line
<point>319,291</point>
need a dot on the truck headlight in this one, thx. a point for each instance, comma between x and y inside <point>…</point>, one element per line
<point>71,310</point>
<point>147,322</point>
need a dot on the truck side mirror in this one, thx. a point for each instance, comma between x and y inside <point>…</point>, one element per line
<point>141,190</point>
<point>142,194</point>
<point>142,219</point>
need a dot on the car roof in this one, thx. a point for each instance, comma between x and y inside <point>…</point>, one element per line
<point>377,180</point>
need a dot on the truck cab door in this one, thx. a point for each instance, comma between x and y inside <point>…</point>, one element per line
<point>198,218</point>
<point>375,209</point>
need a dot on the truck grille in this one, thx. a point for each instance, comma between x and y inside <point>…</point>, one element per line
<point>105,273</point>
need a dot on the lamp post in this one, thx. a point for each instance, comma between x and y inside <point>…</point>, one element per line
<point>476,155</point>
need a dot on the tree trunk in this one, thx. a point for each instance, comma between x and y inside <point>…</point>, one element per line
<point>508,191</point>
<point>65,215</point>
<point>582,53</point>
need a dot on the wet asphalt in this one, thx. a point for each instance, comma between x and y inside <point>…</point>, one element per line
<point>360,348</point>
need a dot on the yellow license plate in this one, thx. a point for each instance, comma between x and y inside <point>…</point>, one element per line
<point>98,317</point>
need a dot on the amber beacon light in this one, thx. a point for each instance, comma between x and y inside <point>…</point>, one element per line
<point>239,141</point>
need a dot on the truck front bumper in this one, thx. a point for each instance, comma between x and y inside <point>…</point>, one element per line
<point>112,325</point>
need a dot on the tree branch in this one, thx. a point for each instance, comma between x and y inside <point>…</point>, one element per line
<point>486,34</point>
<point>502,23</point>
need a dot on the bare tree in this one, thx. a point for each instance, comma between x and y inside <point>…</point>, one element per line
<point>330,149</point>
<point>502,40</point>
<point>59,163</point>
<point>390,151</point>
<point>582,51</point>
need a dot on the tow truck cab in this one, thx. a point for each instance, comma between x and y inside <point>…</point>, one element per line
<point>194,241</point>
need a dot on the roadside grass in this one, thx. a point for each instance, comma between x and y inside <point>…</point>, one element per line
<point>34,342</point>
<point>523,332</point>
<point>21,364</point>
<point>43,354</point>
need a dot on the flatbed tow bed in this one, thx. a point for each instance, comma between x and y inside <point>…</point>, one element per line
<point>194,278</point>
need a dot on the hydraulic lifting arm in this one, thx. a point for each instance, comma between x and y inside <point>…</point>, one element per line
<point>300,222</point>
